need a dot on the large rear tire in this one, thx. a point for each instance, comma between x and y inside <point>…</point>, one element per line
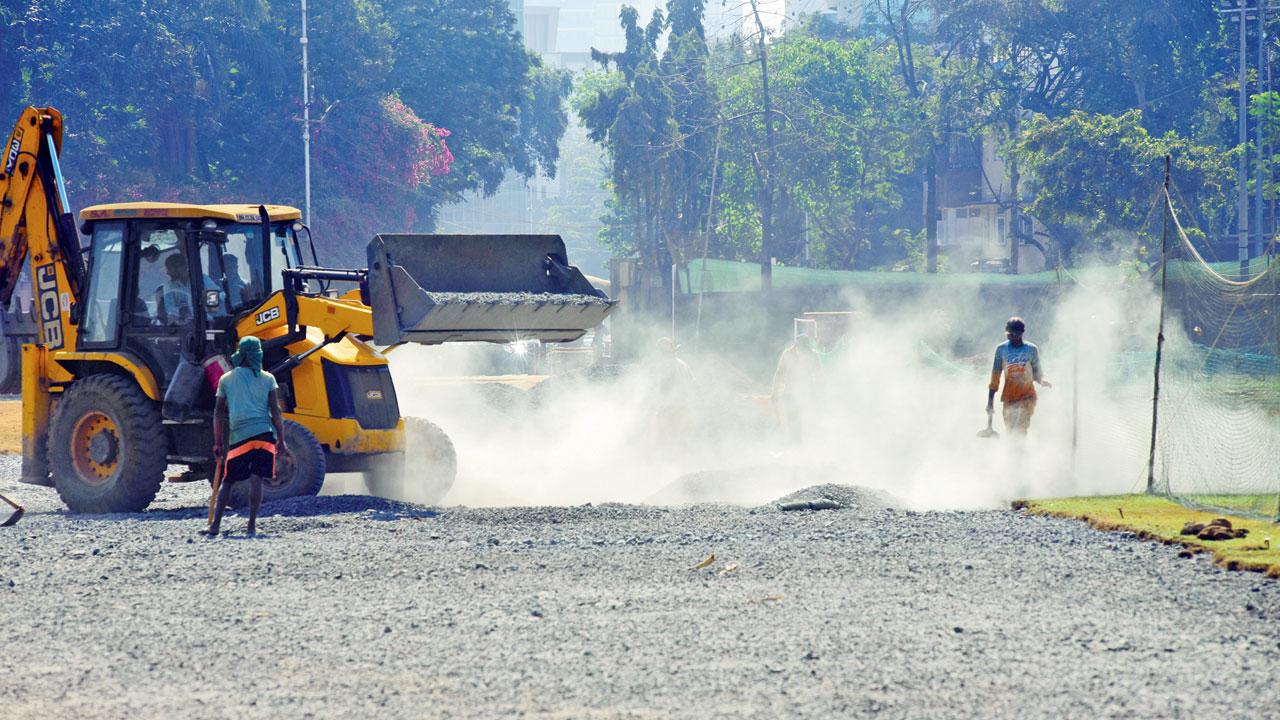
<point>107,446</point>
<point>424,473</point>
<point>299,470</point>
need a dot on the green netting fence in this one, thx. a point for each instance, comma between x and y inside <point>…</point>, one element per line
<point>1218,413</point>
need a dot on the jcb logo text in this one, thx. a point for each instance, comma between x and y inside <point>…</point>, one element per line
<point>266,316</point>
<point>50,311</point>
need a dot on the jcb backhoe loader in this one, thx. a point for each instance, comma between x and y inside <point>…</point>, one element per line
<point>133,330</point>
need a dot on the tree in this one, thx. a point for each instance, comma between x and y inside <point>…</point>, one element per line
<point>844,142</point>
<point>901,19</point>
<point>632,115</point>
<point>695,114</point>
<point>200,100</point>
<point>461,64</point>
<point>1101,56</point>
<point>1095,176</point>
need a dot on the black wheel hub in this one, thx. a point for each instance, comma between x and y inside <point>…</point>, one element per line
<point>103,448</point>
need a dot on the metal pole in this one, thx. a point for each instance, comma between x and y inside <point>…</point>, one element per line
<point>706,240</point>
<point>1270,175</point>
<point>675,280</point>
<point>1275,336</point>
<point>1242,167</point>
<point>1164,268</point>
<point>306,119</point>
<point>1257,132</point>
<point>1075,397</point>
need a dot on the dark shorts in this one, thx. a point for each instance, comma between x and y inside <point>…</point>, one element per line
<point>243,463</point>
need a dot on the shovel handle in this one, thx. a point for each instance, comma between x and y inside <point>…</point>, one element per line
<point>218,468</point>
<point>17,512</point>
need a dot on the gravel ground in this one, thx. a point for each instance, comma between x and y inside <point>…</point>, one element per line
<point>358,607</point>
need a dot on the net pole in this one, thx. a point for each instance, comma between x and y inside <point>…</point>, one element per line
<point>1075,380</point>
<point>1075,399</point>
<point>706,240</point>
<point>1275,331</point>
<point>1164,272</point>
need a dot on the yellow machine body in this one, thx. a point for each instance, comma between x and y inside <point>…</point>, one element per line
<point>132,330</point>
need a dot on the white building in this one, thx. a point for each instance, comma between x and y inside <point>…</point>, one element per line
<point>848,12</point>
<point>564,31</point>
<point>974,212</point>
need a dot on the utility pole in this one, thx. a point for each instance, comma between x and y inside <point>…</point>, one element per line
<point>764,169</point>
<point>306,119</point>
<point>1244,12</point>
<point>1259,206</point>
<point>1242,173</point>
<point>1015,217</point>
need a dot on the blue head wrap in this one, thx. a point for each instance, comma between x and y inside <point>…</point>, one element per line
<point>248,354</point>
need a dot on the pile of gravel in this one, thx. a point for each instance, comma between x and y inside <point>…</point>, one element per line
<point>513,298</point>
<point>747,486</point>
<point>835,497</point>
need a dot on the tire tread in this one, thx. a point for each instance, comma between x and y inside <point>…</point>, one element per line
<point>143,467</point>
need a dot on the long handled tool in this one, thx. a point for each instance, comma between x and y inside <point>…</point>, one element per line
<point>989,432</point>
<point>17,512</point>
<point>219,462</point>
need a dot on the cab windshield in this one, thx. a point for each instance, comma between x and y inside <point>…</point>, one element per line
<point>239,274</point>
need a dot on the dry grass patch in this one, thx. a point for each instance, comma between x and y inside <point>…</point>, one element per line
<point>10,426</point>
<point>1156,518</point>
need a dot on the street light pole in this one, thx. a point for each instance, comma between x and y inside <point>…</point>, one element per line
<point>306,119</point>
<point>1245,10</point>
<point>1259,207</point>
<point>1242,176</point>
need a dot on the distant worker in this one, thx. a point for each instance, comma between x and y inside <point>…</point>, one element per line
<point>676,372</point>
<point>247,401</point>
<point>797,385</point>
<point>235,283</point>
<point>674,391</point>
<point>175,295</point>
<point>1019,362</point>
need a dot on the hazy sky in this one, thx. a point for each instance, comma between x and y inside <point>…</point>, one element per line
<point>771,13</point>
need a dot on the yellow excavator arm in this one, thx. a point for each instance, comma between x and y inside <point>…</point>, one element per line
<point>38,229</point>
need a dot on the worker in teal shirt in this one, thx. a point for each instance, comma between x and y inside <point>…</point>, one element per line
<point>247,401</point>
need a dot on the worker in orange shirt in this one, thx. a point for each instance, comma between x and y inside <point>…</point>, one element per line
<point>1019,362</point>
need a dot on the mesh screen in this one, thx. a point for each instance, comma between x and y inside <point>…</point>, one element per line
<point>1219,403</point>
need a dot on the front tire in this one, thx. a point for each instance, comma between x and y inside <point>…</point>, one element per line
<point>423,473</point>
<point>299,470</point>
<point>107,446</point>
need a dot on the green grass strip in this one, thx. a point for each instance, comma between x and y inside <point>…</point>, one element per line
<point>1156,518</point>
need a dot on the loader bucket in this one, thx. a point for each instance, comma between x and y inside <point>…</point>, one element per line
<point>433,289</point>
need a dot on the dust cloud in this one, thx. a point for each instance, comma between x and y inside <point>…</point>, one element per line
<point>896,409</point>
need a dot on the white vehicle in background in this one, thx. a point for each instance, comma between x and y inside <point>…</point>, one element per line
<point>17,326</point>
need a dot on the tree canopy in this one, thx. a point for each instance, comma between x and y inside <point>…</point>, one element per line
<point>413,103</point>
<point>1080,98</point>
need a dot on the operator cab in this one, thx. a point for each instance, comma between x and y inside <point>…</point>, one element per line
<point>167,280</point>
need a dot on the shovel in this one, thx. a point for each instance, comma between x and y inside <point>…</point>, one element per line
<point>989,432</point>
<point>17,512</point>
<point>219,464</point>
